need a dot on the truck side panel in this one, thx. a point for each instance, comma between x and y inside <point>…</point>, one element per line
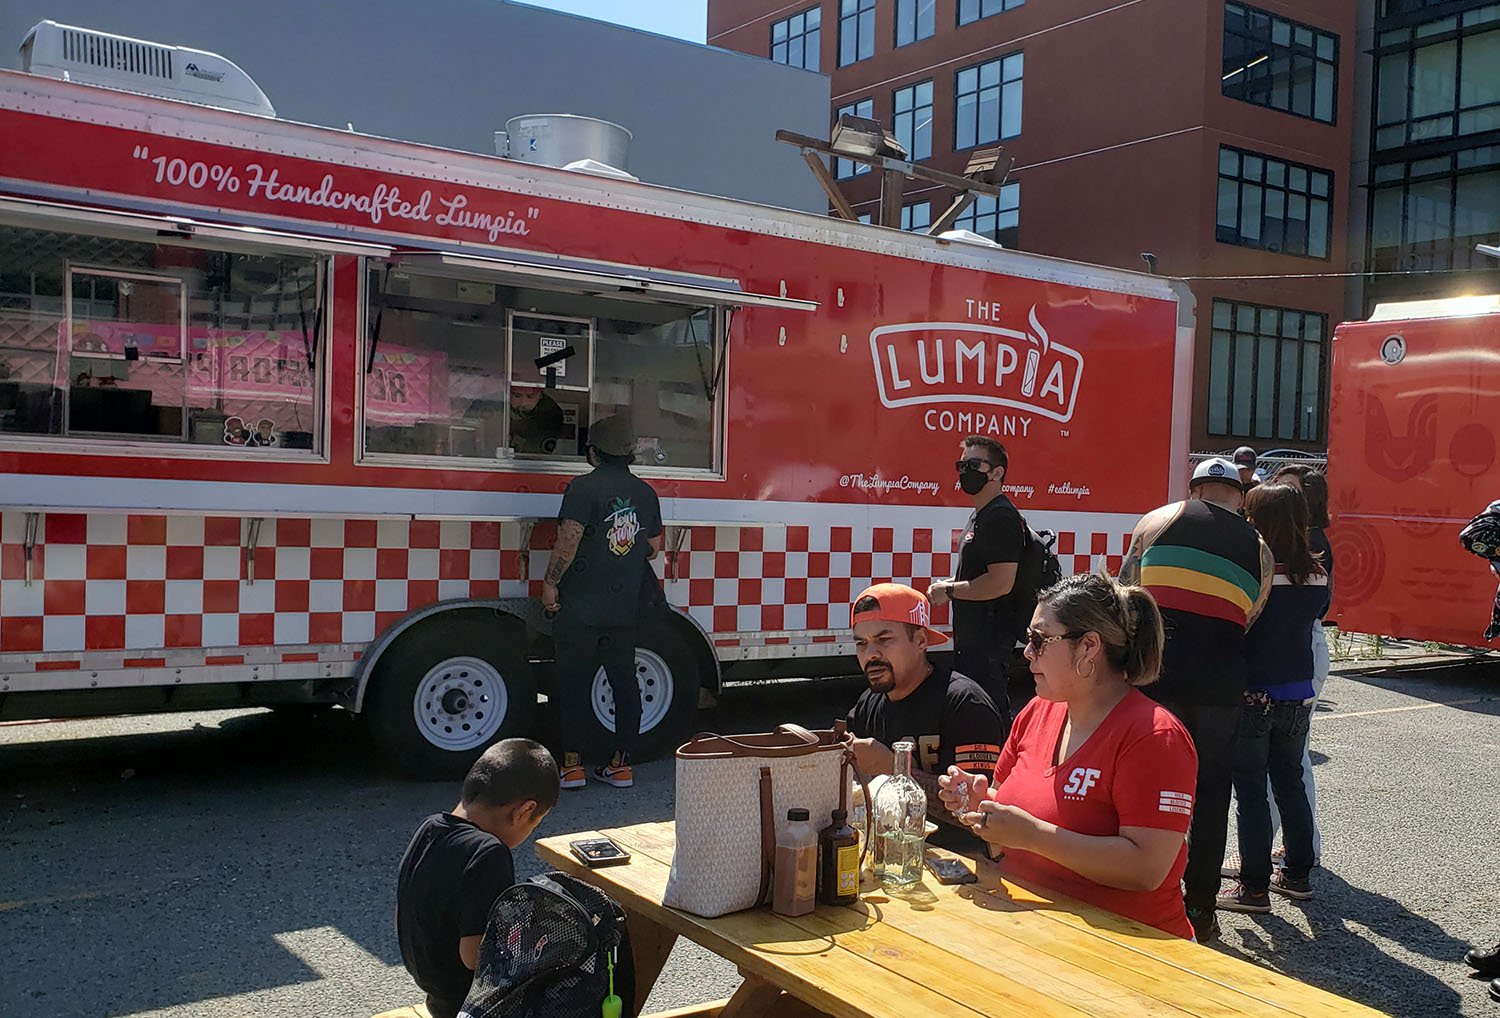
<point>1415,406</point>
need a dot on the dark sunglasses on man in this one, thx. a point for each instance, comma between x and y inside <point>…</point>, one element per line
<point>974,463</point>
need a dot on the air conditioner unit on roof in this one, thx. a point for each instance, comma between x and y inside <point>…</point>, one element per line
<point>135,65</point>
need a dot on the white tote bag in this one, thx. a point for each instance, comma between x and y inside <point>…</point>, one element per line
<point>733,793</point>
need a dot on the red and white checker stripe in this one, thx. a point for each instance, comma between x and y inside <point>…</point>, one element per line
<point>135,590</point>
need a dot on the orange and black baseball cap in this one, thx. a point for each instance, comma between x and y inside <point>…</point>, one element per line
<point>899,603</point>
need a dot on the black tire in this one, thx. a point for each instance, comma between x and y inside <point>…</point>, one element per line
<point>665,649</point>
<point>480,650</point>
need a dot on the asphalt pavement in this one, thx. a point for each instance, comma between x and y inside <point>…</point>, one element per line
<point>243,863</point>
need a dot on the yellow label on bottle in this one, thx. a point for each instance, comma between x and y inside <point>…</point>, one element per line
<point>848,859</point>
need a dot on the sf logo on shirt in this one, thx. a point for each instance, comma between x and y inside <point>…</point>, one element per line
<point>1080,781</point>
<point>623,526</point>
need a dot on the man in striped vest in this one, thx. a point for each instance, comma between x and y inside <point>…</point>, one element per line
<point>1211,574</point>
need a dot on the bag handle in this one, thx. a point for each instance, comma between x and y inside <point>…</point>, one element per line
<point>800,742</point>
<point>767,837</point>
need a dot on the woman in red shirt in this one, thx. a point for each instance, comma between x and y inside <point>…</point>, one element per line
<point>1094,788</point>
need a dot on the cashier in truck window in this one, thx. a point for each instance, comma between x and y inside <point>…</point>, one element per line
<point>536,421</point>
<point>1094,788</point>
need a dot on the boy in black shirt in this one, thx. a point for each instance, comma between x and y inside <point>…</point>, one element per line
<point>945,714</point>
<point>458,863</point>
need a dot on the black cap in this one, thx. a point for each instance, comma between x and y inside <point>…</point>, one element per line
<point>1245,456</point>
<point>840,818</point>
<point>797,814</point>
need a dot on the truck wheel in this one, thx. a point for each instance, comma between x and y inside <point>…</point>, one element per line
<point>669,682</point>
<point>445,691</point>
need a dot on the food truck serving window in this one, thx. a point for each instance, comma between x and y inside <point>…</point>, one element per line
<point>488,372</point>
<point>105,340</point>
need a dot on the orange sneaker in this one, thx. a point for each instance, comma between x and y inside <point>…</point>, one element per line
<point>616,773</point>
<point>573,775</point>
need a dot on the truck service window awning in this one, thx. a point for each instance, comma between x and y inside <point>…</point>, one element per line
<point>624,282</point>
<point>149,228</point>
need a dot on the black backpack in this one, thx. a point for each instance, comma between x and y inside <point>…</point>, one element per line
<point>1038,569</point>
<point>547,952</point>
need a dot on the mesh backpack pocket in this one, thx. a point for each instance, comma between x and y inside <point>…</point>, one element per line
<point>547,952</point>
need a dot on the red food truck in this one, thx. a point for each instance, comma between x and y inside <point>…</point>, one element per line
<point>273,430</point>
<point>1413,418</point>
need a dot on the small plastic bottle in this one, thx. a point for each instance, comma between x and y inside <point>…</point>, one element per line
<point>795,889</point>
<point>838,862</point>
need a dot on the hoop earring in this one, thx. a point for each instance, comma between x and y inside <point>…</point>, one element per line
<point>1090,673</point>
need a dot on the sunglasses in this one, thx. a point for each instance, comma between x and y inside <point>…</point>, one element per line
<point>983,466</point>
<point>1036,641</point>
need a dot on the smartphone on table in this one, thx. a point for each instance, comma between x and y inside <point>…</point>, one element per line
<point>596,852</point>
<point>950,871</point>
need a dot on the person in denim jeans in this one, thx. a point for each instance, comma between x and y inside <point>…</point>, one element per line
<point>1314,488</point>
<point>1274,721</point>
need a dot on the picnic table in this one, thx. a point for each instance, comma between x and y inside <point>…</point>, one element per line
<point>989,948</point>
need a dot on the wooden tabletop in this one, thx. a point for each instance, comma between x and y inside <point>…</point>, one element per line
<point>991,948</point>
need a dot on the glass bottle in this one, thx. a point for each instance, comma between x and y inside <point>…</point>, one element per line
<point>900,824</point>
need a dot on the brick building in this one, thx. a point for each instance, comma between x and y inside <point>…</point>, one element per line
<point>1223,138</point>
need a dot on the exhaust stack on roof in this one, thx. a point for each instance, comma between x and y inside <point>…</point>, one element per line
<point>136,65</point>
<point>582,144</point>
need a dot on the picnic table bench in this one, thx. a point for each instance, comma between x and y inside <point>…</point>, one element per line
<point>990,948</point>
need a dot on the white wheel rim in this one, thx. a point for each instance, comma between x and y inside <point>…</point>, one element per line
<point>460,703</point>
<point>654,678</point>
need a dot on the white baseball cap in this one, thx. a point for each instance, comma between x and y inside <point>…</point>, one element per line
<point>1218,470</point>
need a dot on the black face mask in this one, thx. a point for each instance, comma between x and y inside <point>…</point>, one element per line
<point>973,481</point>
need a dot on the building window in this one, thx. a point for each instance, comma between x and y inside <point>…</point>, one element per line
<point>1429,214</point>
<point>987,103</point>
<point>846,168</point>
<point>972,10</point>
<point>451,372</point>
<point>1280,64</point>
<point>1265,376</point>
<point>796,41</point>
<point>867,218</point>
<point>1273,205</point>
<point>915,20</point>
<point>999,219</point>
<point>856,31</point>
<point>912,123</point>
<point>1438,80</point>
<point>105,339</point>
<point>916,217</point>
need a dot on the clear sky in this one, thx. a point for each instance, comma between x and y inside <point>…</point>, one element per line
<point>685,19</point>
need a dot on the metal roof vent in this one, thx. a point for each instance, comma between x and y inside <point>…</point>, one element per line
<point>136,65</point>
<point>582,144</point>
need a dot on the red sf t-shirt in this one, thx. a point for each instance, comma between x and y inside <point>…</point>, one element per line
<point>1138,769</point>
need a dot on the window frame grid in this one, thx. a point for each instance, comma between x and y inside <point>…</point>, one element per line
<point>1459,257</point>
<point>1005,7</point>
<point>978,92</point>
<point>1293,50</point>
<point>864,30</point>
<point>1251,391</point>
<point>970,217</point>
<point>913,13</point>
<point>1461,35</point>
<point>853,109</point>
<point>802,37</point>
<point>1287,192</point>
<point>914,112</point>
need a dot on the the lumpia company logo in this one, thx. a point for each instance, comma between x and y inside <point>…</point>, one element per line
<point>976,363</point>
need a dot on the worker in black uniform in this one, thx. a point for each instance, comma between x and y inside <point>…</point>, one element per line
<point>987,618</point>
<point>536,421</point>
<point>609,527</point>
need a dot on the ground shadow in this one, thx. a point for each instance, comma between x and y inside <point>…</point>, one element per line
<point>1343,959</point>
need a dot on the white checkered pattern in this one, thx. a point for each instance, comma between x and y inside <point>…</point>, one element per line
<point>138,587</point>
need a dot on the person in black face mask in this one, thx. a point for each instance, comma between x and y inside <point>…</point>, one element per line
<point>986,622</point>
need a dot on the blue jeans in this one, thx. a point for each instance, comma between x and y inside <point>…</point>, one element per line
<point>1270,744</point>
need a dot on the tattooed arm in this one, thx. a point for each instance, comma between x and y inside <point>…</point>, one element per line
<point>563,551</point>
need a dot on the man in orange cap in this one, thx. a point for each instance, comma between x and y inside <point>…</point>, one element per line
<point>949,718</point>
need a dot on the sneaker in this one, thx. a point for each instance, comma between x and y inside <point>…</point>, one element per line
<point>573,775</point>
<point>1205,926</point>
<point>616,772</point>
<point>1283,884</point>
<point>1484,961</point>
<point>1231,867</point>
<point>1238,899</point>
